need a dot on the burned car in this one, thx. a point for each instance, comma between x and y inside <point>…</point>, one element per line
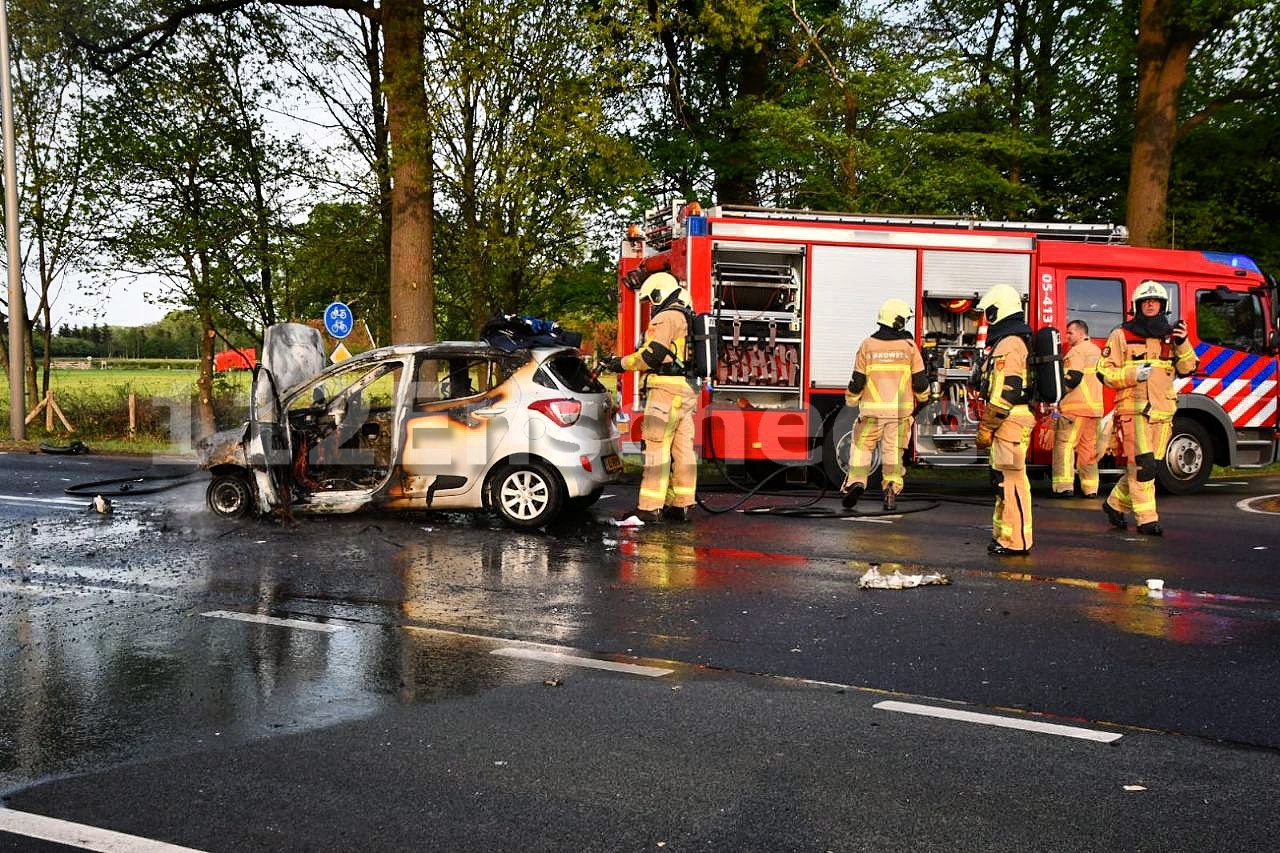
<point>441,426</point>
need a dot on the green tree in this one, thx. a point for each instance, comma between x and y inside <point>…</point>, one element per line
<point>527,158</point>
<point>134,32</point>
<point>196,193</point>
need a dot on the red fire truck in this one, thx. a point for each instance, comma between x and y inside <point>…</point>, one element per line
<point>794,292</point>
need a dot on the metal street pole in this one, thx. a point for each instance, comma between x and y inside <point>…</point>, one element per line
<point>17,305</point>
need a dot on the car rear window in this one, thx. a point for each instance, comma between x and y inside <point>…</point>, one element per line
<point>573,374</point>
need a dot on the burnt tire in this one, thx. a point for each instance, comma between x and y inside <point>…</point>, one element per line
<point>527,495</point>
<point>229,496</point>
<point>1188,461</point>
<point>836,441</point>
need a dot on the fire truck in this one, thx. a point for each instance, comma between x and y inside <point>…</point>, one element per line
<point>794,292</point>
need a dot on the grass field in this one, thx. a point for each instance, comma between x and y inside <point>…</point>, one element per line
<point>96,402</point>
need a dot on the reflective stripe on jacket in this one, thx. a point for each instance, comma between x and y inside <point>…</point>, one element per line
<point>887,366</point>
<point>664,343</point>
<point>1085,399</point>
<point>1118,369</point>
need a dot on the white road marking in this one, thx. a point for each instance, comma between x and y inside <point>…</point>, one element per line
<point>24,499</point>
<point>865,520</point>
<point>1245,504</point>
<point>574,660</point>
<point>79,835</point>
<point>1003,722</point>
<point>1222,483</point>
<point>271,620</point>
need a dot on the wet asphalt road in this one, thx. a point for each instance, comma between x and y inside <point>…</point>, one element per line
<point>416,720</point>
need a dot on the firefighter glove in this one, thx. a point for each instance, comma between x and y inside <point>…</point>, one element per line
<point>1144,371</point>
<point>612,364</point>
<point>992,417</point>
<point>1180,332</point>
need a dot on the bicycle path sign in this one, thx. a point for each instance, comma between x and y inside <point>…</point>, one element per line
<point>338,320</point>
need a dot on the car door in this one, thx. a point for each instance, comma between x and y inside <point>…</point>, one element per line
<point>463,411</point>
<point>267,442</point>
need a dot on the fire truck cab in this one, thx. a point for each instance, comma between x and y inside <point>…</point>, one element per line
<point>793,293</point>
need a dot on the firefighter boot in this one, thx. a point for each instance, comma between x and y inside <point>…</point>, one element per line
<point>1114,516</point>
<point>851,496</point>
<point>675,513</point>
<point>1151,528</point>
<point>890,499</point>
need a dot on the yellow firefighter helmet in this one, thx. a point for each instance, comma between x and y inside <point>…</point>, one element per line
<point>1151,290</point>
<point>659,287</point>
<point>894,313</point>
<point>999,303</point>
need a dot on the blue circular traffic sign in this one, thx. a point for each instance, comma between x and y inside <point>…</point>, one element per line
<point>338,320</point>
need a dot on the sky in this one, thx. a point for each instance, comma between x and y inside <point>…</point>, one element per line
<point>125,304</point>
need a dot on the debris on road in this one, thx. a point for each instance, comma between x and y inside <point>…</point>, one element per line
<point>873,579</point>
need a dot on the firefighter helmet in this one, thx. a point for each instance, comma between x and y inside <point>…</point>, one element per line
<point>894,314</point>
<point>999,303</point>
<point>660,287</point>
<point>1151,290</point>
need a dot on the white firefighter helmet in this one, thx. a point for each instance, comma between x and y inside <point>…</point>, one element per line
<point>1150,290</point>
<point>894,313</point>
<point>999,303</point>
<point>659,287</point>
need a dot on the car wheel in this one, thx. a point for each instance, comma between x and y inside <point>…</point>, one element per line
<point>587,500</point>
<point>836,441</point>
<point>1189,460</point>
<point>527,495</point>
<point>229,496</point>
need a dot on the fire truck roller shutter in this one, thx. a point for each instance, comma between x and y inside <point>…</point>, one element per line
<point>848,284</point>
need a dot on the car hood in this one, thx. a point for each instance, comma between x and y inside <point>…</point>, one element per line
<point>222,448</point>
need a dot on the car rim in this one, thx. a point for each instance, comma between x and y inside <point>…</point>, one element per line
<point>228,498</point>
<point>524,495</point>
<point>1185,457</point>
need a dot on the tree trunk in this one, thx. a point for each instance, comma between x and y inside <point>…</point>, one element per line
<point>412,290</point>
<point>1162,70</point>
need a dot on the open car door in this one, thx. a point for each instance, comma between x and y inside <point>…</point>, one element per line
<point>267,443</point>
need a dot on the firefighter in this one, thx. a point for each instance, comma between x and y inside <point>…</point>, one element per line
<point>1140,360</point>
<point>670,466</point>
<point>1007,421</point>
<point>888,386</point>
<point>1075,433</point>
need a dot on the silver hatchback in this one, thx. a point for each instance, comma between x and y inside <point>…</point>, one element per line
<point>441,426</point>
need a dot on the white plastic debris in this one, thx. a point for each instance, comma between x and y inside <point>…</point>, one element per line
<point>629,521</point>
<point>102,505</point>
<point>873,579</point>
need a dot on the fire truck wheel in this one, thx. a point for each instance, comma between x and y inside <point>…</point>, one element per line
<point>1189,460</point>
<point>229,496</point>
<point>836,439</point>
<point>527,495</point>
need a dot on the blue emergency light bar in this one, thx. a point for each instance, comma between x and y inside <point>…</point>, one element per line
<point>1232,259</point>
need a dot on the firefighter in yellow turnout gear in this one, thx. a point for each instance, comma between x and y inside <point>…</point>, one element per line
<point>1075,434</point>
<point>1007,421</point>
<point>1140,360</point>
<point>888,384</point>
<point>670,480</point>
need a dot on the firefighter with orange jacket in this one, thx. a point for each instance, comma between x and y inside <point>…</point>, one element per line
<point>1007,421</point>
<point>888,385</point>
<point>1140,361</point>
<point>670,480</point>
<point>1075,432</point>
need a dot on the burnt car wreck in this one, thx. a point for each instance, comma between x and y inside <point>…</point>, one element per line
<point>452,425</point>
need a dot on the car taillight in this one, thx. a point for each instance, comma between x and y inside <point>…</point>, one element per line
<point>563,412</point>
